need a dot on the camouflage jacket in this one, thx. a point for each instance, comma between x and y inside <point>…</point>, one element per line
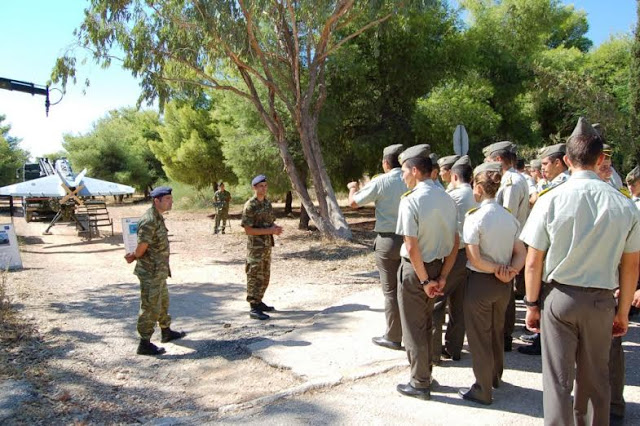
<point>154,263</point>
<point>258,214</point>
<point>222,197</point>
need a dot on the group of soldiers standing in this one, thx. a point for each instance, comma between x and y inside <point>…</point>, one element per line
<point>566,236</point>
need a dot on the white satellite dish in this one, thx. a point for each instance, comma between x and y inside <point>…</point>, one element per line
<point>460,140</point>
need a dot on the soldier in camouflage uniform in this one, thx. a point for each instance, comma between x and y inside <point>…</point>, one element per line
<point>221,200</point>
<point>258,223</point>
<point>152,269</point>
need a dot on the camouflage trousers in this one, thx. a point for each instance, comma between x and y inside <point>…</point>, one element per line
<point>222,215</point>
<point>258,269</point>
<point>154,306</point>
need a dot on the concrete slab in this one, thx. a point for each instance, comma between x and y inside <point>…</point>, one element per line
<point>336,344</point>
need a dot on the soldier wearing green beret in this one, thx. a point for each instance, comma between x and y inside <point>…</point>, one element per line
<point>152,269</point>
<point>258,222</point>
<point>427,222</point>
<point>385,191</point>
<point>221,199</point>
<point>584,241</point>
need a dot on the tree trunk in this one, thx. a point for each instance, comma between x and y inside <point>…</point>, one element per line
<point>304,219</point>
<point>288,209</point>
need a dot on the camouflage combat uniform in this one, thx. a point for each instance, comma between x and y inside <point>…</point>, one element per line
<point>258,214</point>
<point>153,269</point>
<point>221,198</point>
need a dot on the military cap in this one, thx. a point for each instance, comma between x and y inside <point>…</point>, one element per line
<point>583,128</point>
<point>598,128</point>
<point>559,148</point>
<point>463,161</point>
<point>434,160</point>
<point>633,175</point>
<point>160,191</point>
<point>448,161</point>
<point>497,146</point>
<point>422,150</point>
<point>535,164</point>
<point>392,150</point>
<point>606,149</point>
<point>489,166</point>
<point>258,179</point>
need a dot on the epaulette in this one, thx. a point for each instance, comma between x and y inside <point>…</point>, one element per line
<point>376,175</point>
<point>407,193</point>
<point>625,192</point>
<point>507,209</point>
<point>472,211</point>
<point>544,191</point>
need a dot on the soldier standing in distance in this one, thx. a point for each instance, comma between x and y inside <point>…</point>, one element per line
<point>221,198</point>
<point>258,223</point>
<point>453,298</point>
<point>385,190</point>
<point>435,169</point>
<point>584,239</point>
<point>152,269</point>
<point>427,221</point>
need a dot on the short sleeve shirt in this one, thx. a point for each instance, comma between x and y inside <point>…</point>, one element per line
<point>494,230</point>
<point>514,195</point>
<point>584,226</point>
<point>154,263</point>
<point>385,191</point>
<point>429,214</point>
<point>463,197</point>
<point>258,214</point>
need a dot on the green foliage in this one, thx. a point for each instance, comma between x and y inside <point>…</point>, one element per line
<point>11,156</point>
<point>634,89</point>
<point>457,102</point>
<point>190,147</point>
<point>117,148</point>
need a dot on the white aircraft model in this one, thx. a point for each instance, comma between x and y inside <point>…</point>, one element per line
<point>63,184</point>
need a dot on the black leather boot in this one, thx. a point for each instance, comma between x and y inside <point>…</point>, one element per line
<point>145,347</point>
<point>168,335</point>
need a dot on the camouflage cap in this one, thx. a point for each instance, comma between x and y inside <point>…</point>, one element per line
<point>633,175</point>
<point>393,150</point>
<point>489,166</point>
<point>463,161</point>
<point>160,191</point>
<point>448,161</point>
<point>583,128</point>
<point>535,164</point>
<point>258,179</point>
<point>422,150</point>
<point>559,148</point>
<point>497,146</point>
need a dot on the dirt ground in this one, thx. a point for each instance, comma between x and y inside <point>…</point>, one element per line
<point>72,339</point>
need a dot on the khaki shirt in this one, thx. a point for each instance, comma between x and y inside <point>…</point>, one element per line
<point>494,230</point>
<point>154,263</point>
<point>258,214</point>
<point>584,226</point>
<point>385,191</point>
<point>429,214</point>
<point>636,201</point>
<point>514,195</point>
<point>463,197</point>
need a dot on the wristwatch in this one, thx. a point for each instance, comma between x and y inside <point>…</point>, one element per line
<point>425,282</point>
<point>528,304</point>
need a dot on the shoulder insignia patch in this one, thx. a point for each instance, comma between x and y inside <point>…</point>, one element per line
<point>544,191</point>
<point>509,182</point>
<point>625,192</point>
<point>407,193</point>
<point>473,210</point>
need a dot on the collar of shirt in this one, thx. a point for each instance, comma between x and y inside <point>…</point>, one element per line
<point>424,184</point>
<point>487,202</point>
<point>585,174</point>
<point>395,171</point>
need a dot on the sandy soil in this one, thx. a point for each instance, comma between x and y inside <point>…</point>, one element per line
<point>77,302</point>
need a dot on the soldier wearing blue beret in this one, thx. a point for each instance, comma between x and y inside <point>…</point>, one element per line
<point>258,222</point>
<point>152,269</point>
